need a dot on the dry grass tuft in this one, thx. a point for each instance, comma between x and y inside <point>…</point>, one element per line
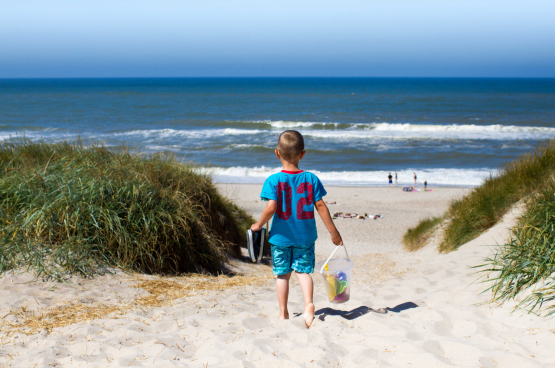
<point>29,322</point>
<point>163,291</point>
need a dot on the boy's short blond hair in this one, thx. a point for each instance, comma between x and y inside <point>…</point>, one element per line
<point>290,144</point>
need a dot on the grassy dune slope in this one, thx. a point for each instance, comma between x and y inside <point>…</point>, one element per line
<point>67,208</point>
<point>416,237</point>
<point>524,268</point>
<point>482,208</point>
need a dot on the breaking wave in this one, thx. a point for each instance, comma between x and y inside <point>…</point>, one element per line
<point>342,131</point>
<point>442,177</point>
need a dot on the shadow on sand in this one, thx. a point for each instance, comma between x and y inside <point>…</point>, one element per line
<point>265,260</point>
<point>362,310</point>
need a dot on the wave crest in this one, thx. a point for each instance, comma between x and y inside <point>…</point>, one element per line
<point>322,130</point>
<point>442,177</point>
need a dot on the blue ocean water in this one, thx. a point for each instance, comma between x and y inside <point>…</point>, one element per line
<point>448,131</point>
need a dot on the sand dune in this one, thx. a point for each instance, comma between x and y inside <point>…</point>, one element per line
<point>406,309</point>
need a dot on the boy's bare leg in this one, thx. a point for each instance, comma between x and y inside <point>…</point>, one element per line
<point>282,289</point>
<point>307,287</point>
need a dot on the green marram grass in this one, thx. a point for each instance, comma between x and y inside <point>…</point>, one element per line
<point>527,262</point>
<point>70,209</point>
<point>418,236</point>
<point>483,206</point>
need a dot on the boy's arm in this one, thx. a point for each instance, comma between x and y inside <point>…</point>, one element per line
<point>325,215</point>
<point>267,214</point>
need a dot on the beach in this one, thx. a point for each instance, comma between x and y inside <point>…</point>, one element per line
<point>418,309</point>
<point>399,210</point>
<point>135,142</point>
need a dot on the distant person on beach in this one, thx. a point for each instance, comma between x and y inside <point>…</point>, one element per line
<point>292,195</point>
<point>396,180</point>
<point>415,180</point>
<point>425,184</point>
<point>390,179</point>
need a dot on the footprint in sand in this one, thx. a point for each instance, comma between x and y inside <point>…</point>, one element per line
<point>255,323</point>
<point>443,328</point>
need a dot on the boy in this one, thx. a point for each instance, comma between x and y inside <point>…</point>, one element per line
<point>292,195</point>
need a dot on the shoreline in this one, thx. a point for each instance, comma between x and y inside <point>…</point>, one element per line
<point>335,185</point>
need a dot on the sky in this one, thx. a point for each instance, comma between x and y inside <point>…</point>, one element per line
<point>301,38</point>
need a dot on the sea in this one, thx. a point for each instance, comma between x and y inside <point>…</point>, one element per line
<point>450,132</point>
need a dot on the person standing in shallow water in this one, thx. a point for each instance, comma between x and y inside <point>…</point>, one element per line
<point>390,178</point>
<point>415,180</point>
<point>396,180</point>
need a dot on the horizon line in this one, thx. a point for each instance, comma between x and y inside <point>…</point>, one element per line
<point>282,77</point>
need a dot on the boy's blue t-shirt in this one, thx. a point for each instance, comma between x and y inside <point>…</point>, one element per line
<point>295,193</point>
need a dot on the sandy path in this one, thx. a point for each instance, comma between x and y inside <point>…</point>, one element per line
<point>407,310</point>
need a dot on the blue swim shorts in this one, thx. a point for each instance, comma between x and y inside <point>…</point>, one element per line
<point>286,258</point>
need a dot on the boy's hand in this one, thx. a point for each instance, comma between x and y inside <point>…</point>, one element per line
<point>256,227</point>
<point>336,238</point>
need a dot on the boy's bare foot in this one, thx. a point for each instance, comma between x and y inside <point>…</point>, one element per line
<point>308,314</point>
<point>283,316</point>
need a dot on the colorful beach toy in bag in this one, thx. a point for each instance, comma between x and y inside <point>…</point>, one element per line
<point>336,274</point>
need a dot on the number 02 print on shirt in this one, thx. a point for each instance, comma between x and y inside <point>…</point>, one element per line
<point>284,190</point>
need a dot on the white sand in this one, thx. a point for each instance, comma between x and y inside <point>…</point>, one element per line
<point>407,309</point>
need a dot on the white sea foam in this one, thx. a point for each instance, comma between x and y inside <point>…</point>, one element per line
<point>386,130</point>
<point>294,124</point>
<point>464,177</point>
<point>56,134</point>
<point>417,131</point>
<point>298,124</point>
<point>497,128</point>
<point>201,133</point>
<point>244,145</point>
<point>157,148</point>
<point>34,134</point>
<point>375,131</point>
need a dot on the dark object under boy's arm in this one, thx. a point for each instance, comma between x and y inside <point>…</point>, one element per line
<point>326,217</point>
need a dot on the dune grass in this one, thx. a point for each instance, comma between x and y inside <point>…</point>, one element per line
<point>418,236</point>
<point>528,260</point>
<point>66,208</point>
<point>484,206</point>
<point>524,268</point>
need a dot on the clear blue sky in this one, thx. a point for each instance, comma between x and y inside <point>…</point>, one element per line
<point>162,38</point>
